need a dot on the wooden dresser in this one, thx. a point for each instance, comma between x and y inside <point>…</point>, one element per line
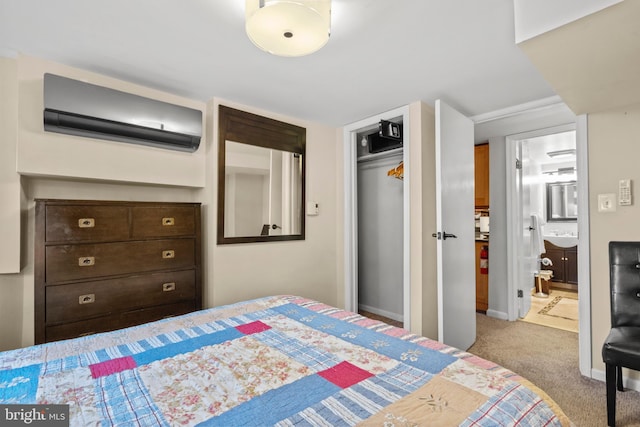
<point>105,265</point>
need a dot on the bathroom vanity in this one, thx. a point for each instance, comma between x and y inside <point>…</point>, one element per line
<point>565,264</point>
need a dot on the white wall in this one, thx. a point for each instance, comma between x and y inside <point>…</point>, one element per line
<point>303,267</point>
<point>41,153</point>
<point>498,303</point>
<point>496,130</point>
<point>10,193</point>
<point>613,155</point>
<point>230,272</point>
<point>593,64</point>
<point>424,289</point>
<point>380,238</point>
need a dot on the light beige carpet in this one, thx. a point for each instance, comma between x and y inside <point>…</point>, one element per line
<point>559,310</point>
<point>549,358</point>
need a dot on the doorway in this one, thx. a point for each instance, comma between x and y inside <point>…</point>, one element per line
<point>515,230</point>
<point>546,200</point>
<point>438,285</point>
<point>353,150</point>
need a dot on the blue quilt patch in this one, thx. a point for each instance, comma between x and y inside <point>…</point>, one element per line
<point>427,359</point>
<point>315,358</point>
<point>276,405</point>
<point>187,346</point>
<point>19,385</point>
<point>126,401</point>
<point>515,405</point>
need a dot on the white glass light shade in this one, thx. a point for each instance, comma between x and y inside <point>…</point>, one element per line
<point>288,28</point>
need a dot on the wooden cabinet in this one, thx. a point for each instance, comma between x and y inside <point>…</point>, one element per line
<point>101,266</point>
<point>482,281</point>
<point>565,263</point>
<point>482,175</point>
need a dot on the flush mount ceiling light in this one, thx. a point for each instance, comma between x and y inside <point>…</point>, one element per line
<point>288,27</point>
<point>562,153</point>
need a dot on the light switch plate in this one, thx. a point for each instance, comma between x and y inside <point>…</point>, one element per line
<point>313,208</point>
<point>607,202</point>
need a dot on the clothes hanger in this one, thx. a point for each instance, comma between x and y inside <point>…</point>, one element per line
<point>397,172</point>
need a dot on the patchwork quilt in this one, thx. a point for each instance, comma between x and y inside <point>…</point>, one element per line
<point>281,360</point>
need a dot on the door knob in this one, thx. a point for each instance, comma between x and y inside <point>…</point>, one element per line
<point>444,235</point>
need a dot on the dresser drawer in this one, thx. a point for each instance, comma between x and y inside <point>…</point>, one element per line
<point>72,302</point>
<point>86,223</point>
<point>163,221</point>
<point>119,321</point>
<point>84,261</point>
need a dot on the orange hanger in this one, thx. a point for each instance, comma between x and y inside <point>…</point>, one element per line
<point>397,172</point>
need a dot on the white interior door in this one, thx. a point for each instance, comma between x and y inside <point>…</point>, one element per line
<point>526,259</point>
<point>455,227</point>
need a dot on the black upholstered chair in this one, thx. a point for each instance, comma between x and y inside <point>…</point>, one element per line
<point>621,349</point>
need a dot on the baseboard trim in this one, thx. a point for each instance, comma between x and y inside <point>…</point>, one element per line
<point>497,314</point>
<point>393,316</point>
<point>629,383</point>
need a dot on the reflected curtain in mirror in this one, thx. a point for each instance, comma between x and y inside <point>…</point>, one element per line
<point>260,178</point>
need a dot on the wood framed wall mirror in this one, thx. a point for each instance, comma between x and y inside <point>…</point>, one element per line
<point>261,178</point>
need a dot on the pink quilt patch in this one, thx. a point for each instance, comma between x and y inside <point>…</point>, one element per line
<point>366,323</point>
<point>395,332</point>
<point>345,374</point>
<point>481,362</point>
<point>253,327</point>
<point>109,367</point>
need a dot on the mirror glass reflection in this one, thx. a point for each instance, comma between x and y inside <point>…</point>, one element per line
<point>562,201</point>
<point>263,191</point>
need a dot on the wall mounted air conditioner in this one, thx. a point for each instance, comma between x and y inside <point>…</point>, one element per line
<point>83,109</point>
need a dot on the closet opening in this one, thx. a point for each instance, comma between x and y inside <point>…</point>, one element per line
<point>367,219</point>
<point>380,220</point>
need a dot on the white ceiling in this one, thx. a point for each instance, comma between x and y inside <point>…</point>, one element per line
<point>382,53</point>
<point>538,148</point>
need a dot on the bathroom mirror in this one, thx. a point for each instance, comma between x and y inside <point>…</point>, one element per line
<point>261,178</point>
<point>562,201</point>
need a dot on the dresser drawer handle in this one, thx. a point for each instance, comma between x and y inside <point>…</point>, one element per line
<point>168,221</point>
<point>86,222</point>
<point>86,334</point>
<point>87,299</point>
<point>86,261</point>
<point>168,287</point>
<point>168,254</point>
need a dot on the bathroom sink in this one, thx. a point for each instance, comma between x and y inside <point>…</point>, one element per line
<point>562,241</point>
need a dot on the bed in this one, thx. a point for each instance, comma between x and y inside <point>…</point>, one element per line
<point>282,360</point>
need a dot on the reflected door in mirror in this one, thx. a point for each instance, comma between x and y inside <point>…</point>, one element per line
<point>263,193</point>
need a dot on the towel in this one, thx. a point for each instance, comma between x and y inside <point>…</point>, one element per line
<point>537,241</point>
